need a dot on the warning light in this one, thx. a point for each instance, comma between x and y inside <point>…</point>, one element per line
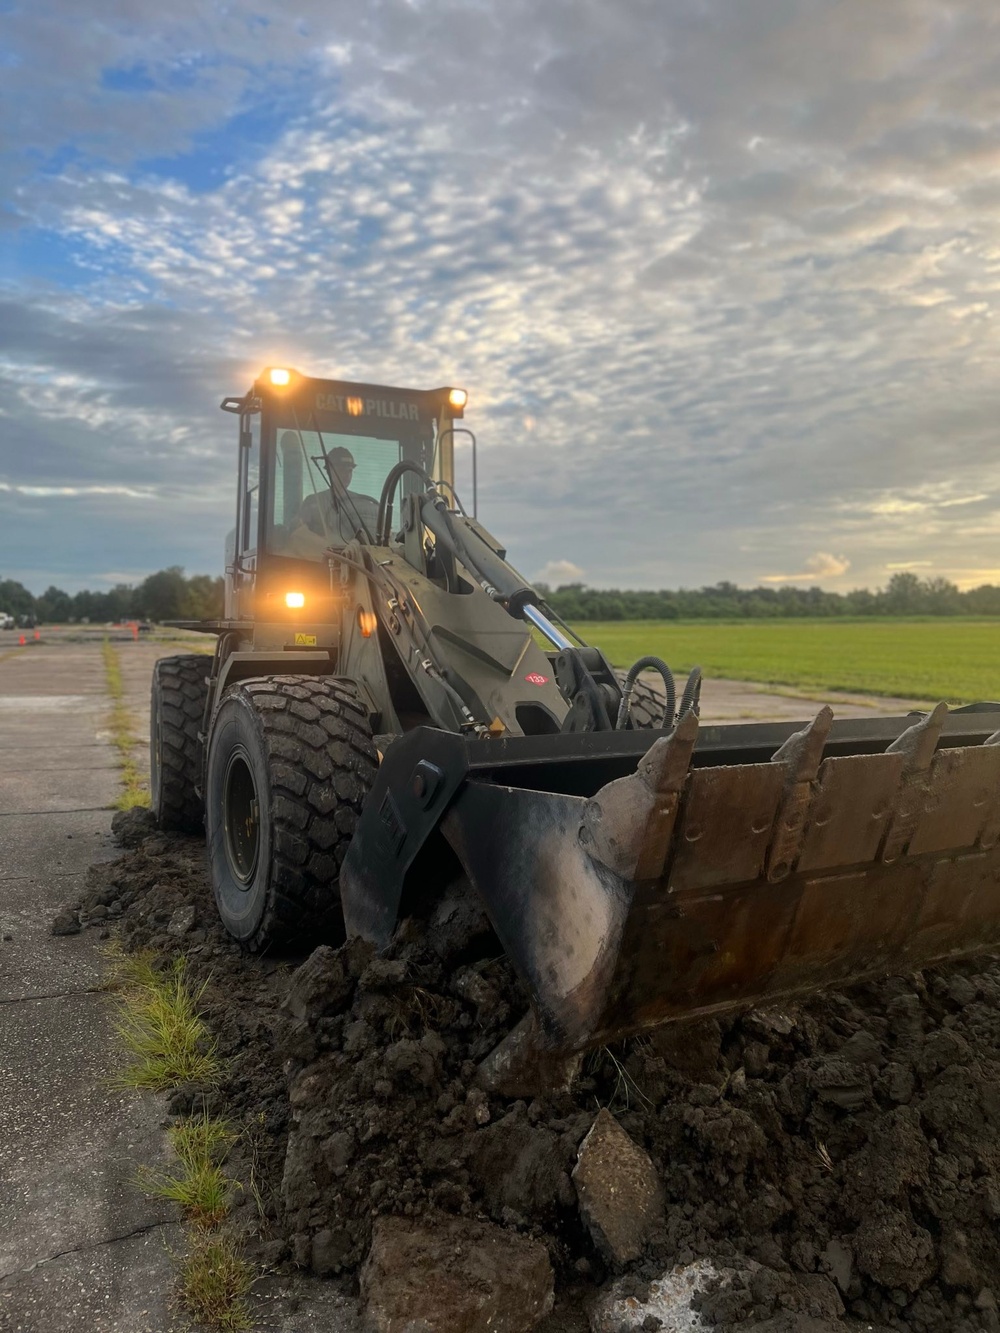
<point>280,377</point>
<point>295,600</point>
<point>367,622</point>
<point>355,406</point>
<point>457,398</point>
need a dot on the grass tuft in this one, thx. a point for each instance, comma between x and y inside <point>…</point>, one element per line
<point>135,790</point>
<point>215,1281</point>
<point>160,1026</point>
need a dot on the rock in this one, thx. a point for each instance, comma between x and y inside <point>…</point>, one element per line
<point>521,1066</point>
<point>668,1299</point>
<point>619,1193</point>
<point>66,923</point>
<point>454,1275</point>
<point>182,920</point>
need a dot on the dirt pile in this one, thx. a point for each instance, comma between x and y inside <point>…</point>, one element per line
<point>850,1146</point>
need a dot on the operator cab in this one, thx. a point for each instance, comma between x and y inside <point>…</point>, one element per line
<point>314,458</point>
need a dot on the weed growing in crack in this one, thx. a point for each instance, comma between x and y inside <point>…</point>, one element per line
<point>160,1026</point>
<point>215,1281</point>
<point>135,791</point>
<point>200,1188</point>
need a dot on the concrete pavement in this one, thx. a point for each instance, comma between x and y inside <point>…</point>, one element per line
<point>81,1247</point>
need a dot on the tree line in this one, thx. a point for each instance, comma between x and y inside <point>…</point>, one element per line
<point>170,595</point>
<point>905,595</point>
<point>165,595</point>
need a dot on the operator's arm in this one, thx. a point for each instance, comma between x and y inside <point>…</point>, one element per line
<point>316,529</point>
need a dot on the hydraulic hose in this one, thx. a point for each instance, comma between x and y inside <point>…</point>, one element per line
<point>691,698</point>
<point>655,664</point>
<point>384,522</point>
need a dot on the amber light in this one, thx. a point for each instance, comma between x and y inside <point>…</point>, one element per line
<point>355,406</point>
<point>367,622</point>
<point>280,377</point>
<point>457,397</point>
<point>295,600</point>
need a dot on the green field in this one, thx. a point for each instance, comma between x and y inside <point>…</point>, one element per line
<point>935,658</point>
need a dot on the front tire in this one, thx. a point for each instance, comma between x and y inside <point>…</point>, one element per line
<point>176,713</point>
<point>290,765</point>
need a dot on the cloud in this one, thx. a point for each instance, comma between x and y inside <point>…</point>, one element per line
<point>822,565</point>
<point>736,264</point>
<point>557,573</point>
<point>47,491</point>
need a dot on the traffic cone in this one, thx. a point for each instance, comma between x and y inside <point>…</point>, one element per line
<point>38,635</point>
<point>21,641</point>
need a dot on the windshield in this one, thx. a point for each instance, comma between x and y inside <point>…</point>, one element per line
<point>326,489</point>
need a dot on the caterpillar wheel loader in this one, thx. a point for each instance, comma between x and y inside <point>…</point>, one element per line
<point>391,705</point>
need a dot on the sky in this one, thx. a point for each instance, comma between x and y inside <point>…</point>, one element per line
<point>719,276</point>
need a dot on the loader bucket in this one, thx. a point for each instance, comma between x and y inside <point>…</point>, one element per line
<point>632,884</point>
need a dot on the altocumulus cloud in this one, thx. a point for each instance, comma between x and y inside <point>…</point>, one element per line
<point>736,263</point>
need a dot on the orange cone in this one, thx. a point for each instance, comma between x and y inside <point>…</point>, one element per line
<point>38,635</point>
<point>21,641</point>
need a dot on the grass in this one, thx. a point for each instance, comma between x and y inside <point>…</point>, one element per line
<point>215,1282</point>
<point>135,791</point>
<point>949,658</point>
<point>159,1024</point>
<point>199,1186</point>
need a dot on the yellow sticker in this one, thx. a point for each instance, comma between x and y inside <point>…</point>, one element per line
<point>305,640</point>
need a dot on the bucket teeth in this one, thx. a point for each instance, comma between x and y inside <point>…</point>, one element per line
<point>628,825</point>
<point>803,754</point>
<point>917,745</point>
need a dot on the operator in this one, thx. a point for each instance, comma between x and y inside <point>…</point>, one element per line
<point>333,518</point>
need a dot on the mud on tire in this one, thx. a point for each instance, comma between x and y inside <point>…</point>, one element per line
<point>290,765</point>
<point>176,711</point>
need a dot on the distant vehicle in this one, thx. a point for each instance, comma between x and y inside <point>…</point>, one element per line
<point>145,627</point>
<point>27,621</point>
<point>6,620</point>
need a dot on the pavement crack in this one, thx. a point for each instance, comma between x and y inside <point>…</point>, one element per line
<point>82,1249</point>
<point>54,995</point>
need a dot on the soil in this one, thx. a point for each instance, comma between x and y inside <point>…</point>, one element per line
<point>849,1147</point>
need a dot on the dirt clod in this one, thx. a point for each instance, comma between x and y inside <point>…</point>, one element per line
<point>454,1276</point>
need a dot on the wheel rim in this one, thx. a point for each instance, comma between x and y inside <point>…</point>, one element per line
<point>241,818</point>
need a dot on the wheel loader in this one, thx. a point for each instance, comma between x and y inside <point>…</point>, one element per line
<point>391,707</point>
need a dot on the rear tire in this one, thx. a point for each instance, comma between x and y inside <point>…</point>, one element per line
<point>647,704</point>
<point>290,766</point>
<point>176,712</point>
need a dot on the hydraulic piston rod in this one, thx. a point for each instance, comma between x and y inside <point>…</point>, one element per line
<point>545,626</point>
